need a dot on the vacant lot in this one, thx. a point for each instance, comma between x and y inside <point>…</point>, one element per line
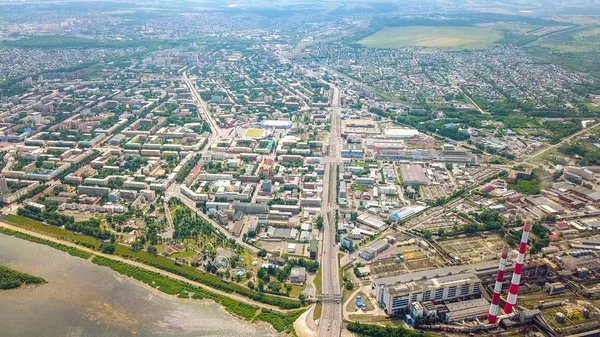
<point>474,249</point>
<point>450,38</point>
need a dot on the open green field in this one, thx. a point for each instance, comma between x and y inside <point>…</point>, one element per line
<point>449,38</point>
<point>575,49</point>
<point>593,107</point>
<point>255,133</point>
<point>577,19</point>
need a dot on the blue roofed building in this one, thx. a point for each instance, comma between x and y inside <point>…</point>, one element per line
<point>353,151</point>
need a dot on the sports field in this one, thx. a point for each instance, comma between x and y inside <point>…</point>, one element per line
<point>254,133</point>
<point>448,38</point>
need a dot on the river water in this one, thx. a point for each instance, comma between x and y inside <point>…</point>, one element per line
<point>82,299</point>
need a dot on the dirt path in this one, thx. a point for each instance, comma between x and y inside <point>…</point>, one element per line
<point>145,267</point>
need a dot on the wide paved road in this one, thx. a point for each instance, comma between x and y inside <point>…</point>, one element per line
<point>174,189</point>
<point>331,317</point>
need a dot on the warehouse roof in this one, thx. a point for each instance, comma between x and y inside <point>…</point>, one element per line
<point>434,282</point>
<point>427,274</point>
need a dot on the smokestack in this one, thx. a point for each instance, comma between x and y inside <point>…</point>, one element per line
<point>493,314</point>
<point>513,291</point>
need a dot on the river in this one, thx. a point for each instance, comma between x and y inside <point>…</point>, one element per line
<point>82,299</point>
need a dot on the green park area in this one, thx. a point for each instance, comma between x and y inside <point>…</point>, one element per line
<point>447,38</point>
<point>255,133</point>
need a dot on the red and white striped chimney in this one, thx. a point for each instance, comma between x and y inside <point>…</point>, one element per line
<point>493,314</point>
<point>513,291</point>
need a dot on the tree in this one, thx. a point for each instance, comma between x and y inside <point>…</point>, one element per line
<point>136,245</point>
<point>152,250</point>
<point>108,249</point>
<point>251,285</point>
<point>349,285</point>
<point>427,234</point>
<point>356,271</point>
<point>263,275</point>
<point>302,298</point>
<point>262,253</point>
<point>275,286</point>
<point>319,222</point>
<point>441,232</point>
<point>261,285</point>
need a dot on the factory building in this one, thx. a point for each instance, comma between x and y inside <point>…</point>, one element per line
<point>395,294</point>
<point>353,151</point>
<point>371,252</point>
<point>401,133</point>
<point>413,174</point>
<point>466,310</point>
<point>372,221</point>
<point>405,213</point>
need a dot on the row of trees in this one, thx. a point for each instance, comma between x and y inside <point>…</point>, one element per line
<point>487,220</point>
<point>90,227</point>
<point>279,201</point>
<point>380,331</point>
<point>79,165</point>
<point>185,171</point>
<point>33,192</point>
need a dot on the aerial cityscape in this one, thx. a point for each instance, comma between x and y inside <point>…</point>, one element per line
<point>299,168</point>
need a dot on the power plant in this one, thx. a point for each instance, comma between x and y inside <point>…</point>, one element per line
<point>513,291</point>
<point>493,314</point>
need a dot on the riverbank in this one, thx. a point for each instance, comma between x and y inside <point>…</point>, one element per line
<point>85,299</point>
<point>169,283</point>
<point>210,281</point>
<point>280,322</point>
<point>71,250</point>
